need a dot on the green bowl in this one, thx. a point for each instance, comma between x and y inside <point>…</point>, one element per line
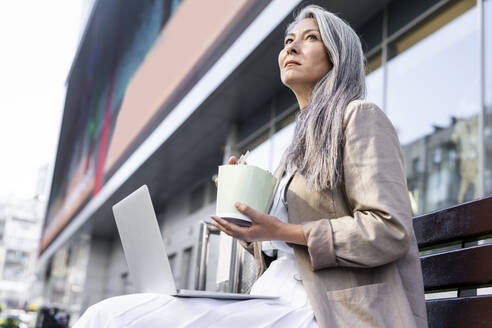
<point>248,184</point>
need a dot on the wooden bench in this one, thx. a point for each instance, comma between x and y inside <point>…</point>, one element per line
<point>463,269</point>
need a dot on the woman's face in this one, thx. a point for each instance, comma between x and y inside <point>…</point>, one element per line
<point>303,60</point>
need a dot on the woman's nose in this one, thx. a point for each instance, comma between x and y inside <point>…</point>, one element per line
<point>292,48</point>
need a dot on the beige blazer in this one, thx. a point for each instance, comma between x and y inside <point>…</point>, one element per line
<point>361,266</point>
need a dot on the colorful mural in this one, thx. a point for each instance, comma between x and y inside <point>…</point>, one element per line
<point>99,95</point>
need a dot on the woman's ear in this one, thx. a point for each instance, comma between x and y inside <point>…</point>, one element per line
<point>330,62</point>
<point>328,58</point>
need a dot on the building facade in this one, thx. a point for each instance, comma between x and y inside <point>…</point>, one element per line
<point>162,92</point>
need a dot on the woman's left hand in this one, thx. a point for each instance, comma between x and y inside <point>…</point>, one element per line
<point>263,226</point>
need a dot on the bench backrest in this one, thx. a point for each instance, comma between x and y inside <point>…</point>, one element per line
<point>462,269</point>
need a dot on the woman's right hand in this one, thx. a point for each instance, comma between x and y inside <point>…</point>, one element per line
<point>232,161</point>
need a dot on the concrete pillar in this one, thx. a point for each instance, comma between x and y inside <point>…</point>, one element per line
<point>97,269</point>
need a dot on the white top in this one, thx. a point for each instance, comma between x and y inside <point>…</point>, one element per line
<point>279,210</point>
<point>282,276</point>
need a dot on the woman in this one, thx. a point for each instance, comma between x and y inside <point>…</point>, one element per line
<point>340,226</point>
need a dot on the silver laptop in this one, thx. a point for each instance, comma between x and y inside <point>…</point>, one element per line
<point>145,252</point>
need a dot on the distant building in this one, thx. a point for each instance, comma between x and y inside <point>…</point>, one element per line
<point>16,253</point>
<point>20,230</point>
<point>443,166</point>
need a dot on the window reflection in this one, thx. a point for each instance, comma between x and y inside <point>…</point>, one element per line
<point>487,131</point>
<point>260,156</point>
<point>281,141</point>
<point>433,100</point>
<point>374,80</point>
<point>268,154</point>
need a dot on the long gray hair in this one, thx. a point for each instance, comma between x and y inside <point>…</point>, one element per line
<point>316,149</point>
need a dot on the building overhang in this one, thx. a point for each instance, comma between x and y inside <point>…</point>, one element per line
<point>188,143</point>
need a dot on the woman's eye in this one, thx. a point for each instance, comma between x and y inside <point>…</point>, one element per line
<point>312,37</point>
<point>287,41</point>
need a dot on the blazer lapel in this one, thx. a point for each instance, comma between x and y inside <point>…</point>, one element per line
<point>289,180</point>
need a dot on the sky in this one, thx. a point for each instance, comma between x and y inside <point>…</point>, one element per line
<point>39,40</point>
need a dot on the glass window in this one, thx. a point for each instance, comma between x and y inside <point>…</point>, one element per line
<point>401,13</point>
<point>281,140</point>
<point>268,154</point>
<point>259,153</point>
<point>374,80</point>
<point>487,131</point>
<point>433,101</point>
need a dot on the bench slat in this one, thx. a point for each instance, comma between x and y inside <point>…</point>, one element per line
<point>458,312</point>
<point>466,220</point>
<point>458,268</point>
